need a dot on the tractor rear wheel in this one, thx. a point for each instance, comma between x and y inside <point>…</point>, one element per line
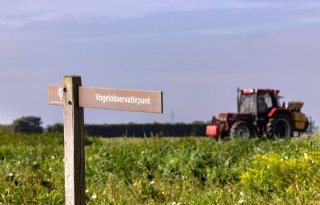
<point>280,126</point>
<point>241,129</point>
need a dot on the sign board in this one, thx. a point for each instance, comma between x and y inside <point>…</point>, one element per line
<point>114,99</point>
<point>55,95</point>
<point>73,97</point>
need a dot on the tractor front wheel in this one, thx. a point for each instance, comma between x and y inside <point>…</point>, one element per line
<point>241,129</point>
<point>280,126</point>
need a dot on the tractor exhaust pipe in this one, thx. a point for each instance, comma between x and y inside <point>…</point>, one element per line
<point>238,99</point>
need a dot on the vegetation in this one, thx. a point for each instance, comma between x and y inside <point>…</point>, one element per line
<point>146,130</point>
<point>164,170</point>
<point>28,124</point>
<point>197,128</point>
<point>4,128</point>
<point>32,124</point>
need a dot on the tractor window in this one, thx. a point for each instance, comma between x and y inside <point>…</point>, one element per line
<point>264,103</point>
<point>280,101</point>
<point>268,100</point>
<point>248,103</point>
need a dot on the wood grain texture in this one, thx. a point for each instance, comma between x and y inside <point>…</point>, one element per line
<point>73,142</point>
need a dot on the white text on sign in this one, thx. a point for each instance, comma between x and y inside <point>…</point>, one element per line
<point>120,99</point>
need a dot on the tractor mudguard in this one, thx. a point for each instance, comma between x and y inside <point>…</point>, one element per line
<point>274,111</point>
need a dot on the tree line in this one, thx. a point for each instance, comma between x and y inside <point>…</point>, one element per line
<point>32,124</point>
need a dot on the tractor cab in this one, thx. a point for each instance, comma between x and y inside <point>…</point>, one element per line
<point>257,101</point>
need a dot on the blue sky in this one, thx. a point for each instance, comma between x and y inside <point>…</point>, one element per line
<point>196,51</point>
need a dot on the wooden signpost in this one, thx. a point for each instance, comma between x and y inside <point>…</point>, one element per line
<point>73,97</point>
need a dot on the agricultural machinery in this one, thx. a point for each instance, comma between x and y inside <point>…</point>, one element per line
<point>260,112</point>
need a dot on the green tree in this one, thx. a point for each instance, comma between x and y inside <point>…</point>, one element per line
<point>198,122</point>
<point>27,124</point>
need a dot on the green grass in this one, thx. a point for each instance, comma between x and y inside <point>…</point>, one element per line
<point>164,170</point>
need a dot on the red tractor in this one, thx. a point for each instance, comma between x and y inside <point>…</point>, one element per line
<point>260,112</point>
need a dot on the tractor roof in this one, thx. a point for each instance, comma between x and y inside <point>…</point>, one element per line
<point>260,91</point>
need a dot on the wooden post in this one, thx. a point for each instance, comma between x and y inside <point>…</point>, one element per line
<point>73,142</point>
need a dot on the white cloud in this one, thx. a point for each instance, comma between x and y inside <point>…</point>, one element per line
<point>19,13</point>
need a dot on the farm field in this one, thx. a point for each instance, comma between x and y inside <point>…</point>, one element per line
<point>168,170</point>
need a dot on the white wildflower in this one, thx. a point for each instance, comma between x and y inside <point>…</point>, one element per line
<point>94,196</point>
<point>152,182</point>
<point>53,157</point>
<point>10,174</point>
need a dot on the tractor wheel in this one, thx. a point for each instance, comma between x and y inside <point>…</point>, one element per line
<point>280,126</point>
<point>241,129</point>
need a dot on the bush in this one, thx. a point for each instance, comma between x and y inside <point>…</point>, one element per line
<point>28,124</point>
<point>276,175</point>
<point>58,127</point>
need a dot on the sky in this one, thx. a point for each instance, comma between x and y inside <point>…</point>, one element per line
<point>196,51</point>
